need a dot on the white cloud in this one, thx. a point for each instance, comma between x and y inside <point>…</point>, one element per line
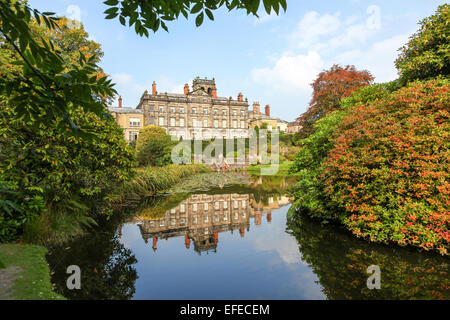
<point>378,59</point>
<point>290,73</point>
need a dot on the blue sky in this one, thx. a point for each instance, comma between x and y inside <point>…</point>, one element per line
<point>272,60</point>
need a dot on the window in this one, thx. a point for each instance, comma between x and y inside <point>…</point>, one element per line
<point>224,123</point>
<point>172,109</point>
<point>135,122</point>
<point>205,123</point>
<point>205,110</point>
<point>151,121</point>
<point>242,124</point>
<point>194,123</point>
<point>225,217</point>
<point>161,108</point>
<point>242,113</point>
<point>195,207</point>
<point>216,123</point>
<point>206,219</point>
<point>236,204</point>
<point>151,107</point>
<point>172,122</point>
<point>217,205</point>
<point>244,204</point>
<point>224,112</point>
<point>181,109</point>
<point>205,206</point>
<point>216,112</point>
<point>133,136</point>
<point>161,121</point>
<point>194,110</point>
<point>234,123</point>
<point>234,112</point>
<point>225,205</point>
<point>204,99</point>
<point>182,208</point>
<point>181,122</point>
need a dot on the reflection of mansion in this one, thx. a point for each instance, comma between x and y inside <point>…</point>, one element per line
<point>195,114</point>
<point>202,217</point>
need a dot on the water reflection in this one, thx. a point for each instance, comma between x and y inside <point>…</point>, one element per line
<point>200,218</point>
<point>236,242</point>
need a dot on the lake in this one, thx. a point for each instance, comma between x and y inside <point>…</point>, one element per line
<point>236,242</point>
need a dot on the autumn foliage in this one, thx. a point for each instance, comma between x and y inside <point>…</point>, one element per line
<point>389,167</point>
<point>330,87</point>
<point>379,164</point>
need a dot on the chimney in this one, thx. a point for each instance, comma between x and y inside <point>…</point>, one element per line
<point>186,89</point>
<point>214,92</point>
<point>268,110</point>
<point>120,101</point>
<point>154,88</point>
<point>240,97</point>
<point>256,108</point>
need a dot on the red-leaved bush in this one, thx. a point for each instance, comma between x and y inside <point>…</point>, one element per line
<point>389,170</point>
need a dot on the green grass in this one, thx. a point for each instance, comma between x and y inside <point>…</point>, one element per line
<point>283,169</point>
<point>32,282</point>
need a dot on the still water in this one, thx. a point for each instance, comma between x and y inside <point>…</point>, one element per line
<point>237,243</point>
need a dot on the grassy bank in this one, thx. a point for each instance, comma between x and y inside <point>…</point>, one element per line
<point>149,181</point>
<point>24,273</point>
<point>283,169</point>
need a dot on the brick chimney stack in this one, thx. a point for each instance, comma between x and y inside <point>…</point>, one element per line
<point>268,110</point>
<point>154,88</point>
<point>120,101</point>
<point>256,108</point>
<point>186,89</point>
<point>240,97</point>
<point>214,92</point>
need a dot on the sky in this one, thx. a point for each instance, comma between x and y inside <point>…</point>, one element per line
<point>272,60</point>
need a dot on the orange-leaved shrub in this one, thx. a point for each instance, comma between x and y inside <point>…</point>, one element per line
<point>389,168</point>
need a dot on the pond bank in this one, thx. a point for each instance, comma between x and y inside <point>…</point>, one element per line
<point>25,274</point>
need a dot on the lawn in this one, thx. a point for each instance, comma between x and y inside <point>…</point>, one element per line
<point>283,169</point>
<point>25,273</point>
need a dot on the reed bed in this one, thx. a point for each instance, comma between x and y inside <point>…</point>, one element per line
<point>149,181</point>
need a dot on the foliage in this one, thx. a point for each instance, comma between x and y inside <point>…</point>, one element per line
<point>43,87</point>
<point>309,191</point>
<point>330,87</point>
<point>427,54</point>
<point>33,279</point>
<point>402,140</point>
<point>153,147</point>
<point>149,181</point>
<point>151,15</point>
<point>59,168</point>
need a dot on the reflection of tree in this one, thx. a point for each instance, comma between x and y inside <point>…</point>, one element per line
<point>340,262</point>
<point>106,267</point>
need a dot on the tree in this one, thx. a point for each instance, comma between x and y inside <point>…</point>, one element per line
<point>45,91</point>
<point>153,146</point>
<point>329,89</point>
<point>151,15</point>
<point>427,54</point>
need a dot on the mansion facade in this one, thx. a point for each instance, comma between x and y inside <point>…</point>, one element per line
<point>197,114</point>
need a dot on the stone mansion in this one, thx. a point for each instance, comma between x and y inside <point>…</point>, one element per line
<point>197,114</point>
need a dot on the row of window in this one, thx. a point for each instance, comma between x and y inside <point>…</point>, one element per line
<point>195,219</point>
<point>198,123</point>
<point>194,110</point>
<point>216,206</point>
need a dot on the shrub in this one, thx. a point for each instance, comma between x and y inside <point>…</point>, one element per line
<point>308,166</point>
<point>427,54</point>
<point>59,168</point>
<point>388,169</point>
<point>153,147</point>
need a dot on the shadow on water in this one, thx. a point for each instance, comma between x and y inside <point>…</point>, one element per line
<point>237,236</point>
